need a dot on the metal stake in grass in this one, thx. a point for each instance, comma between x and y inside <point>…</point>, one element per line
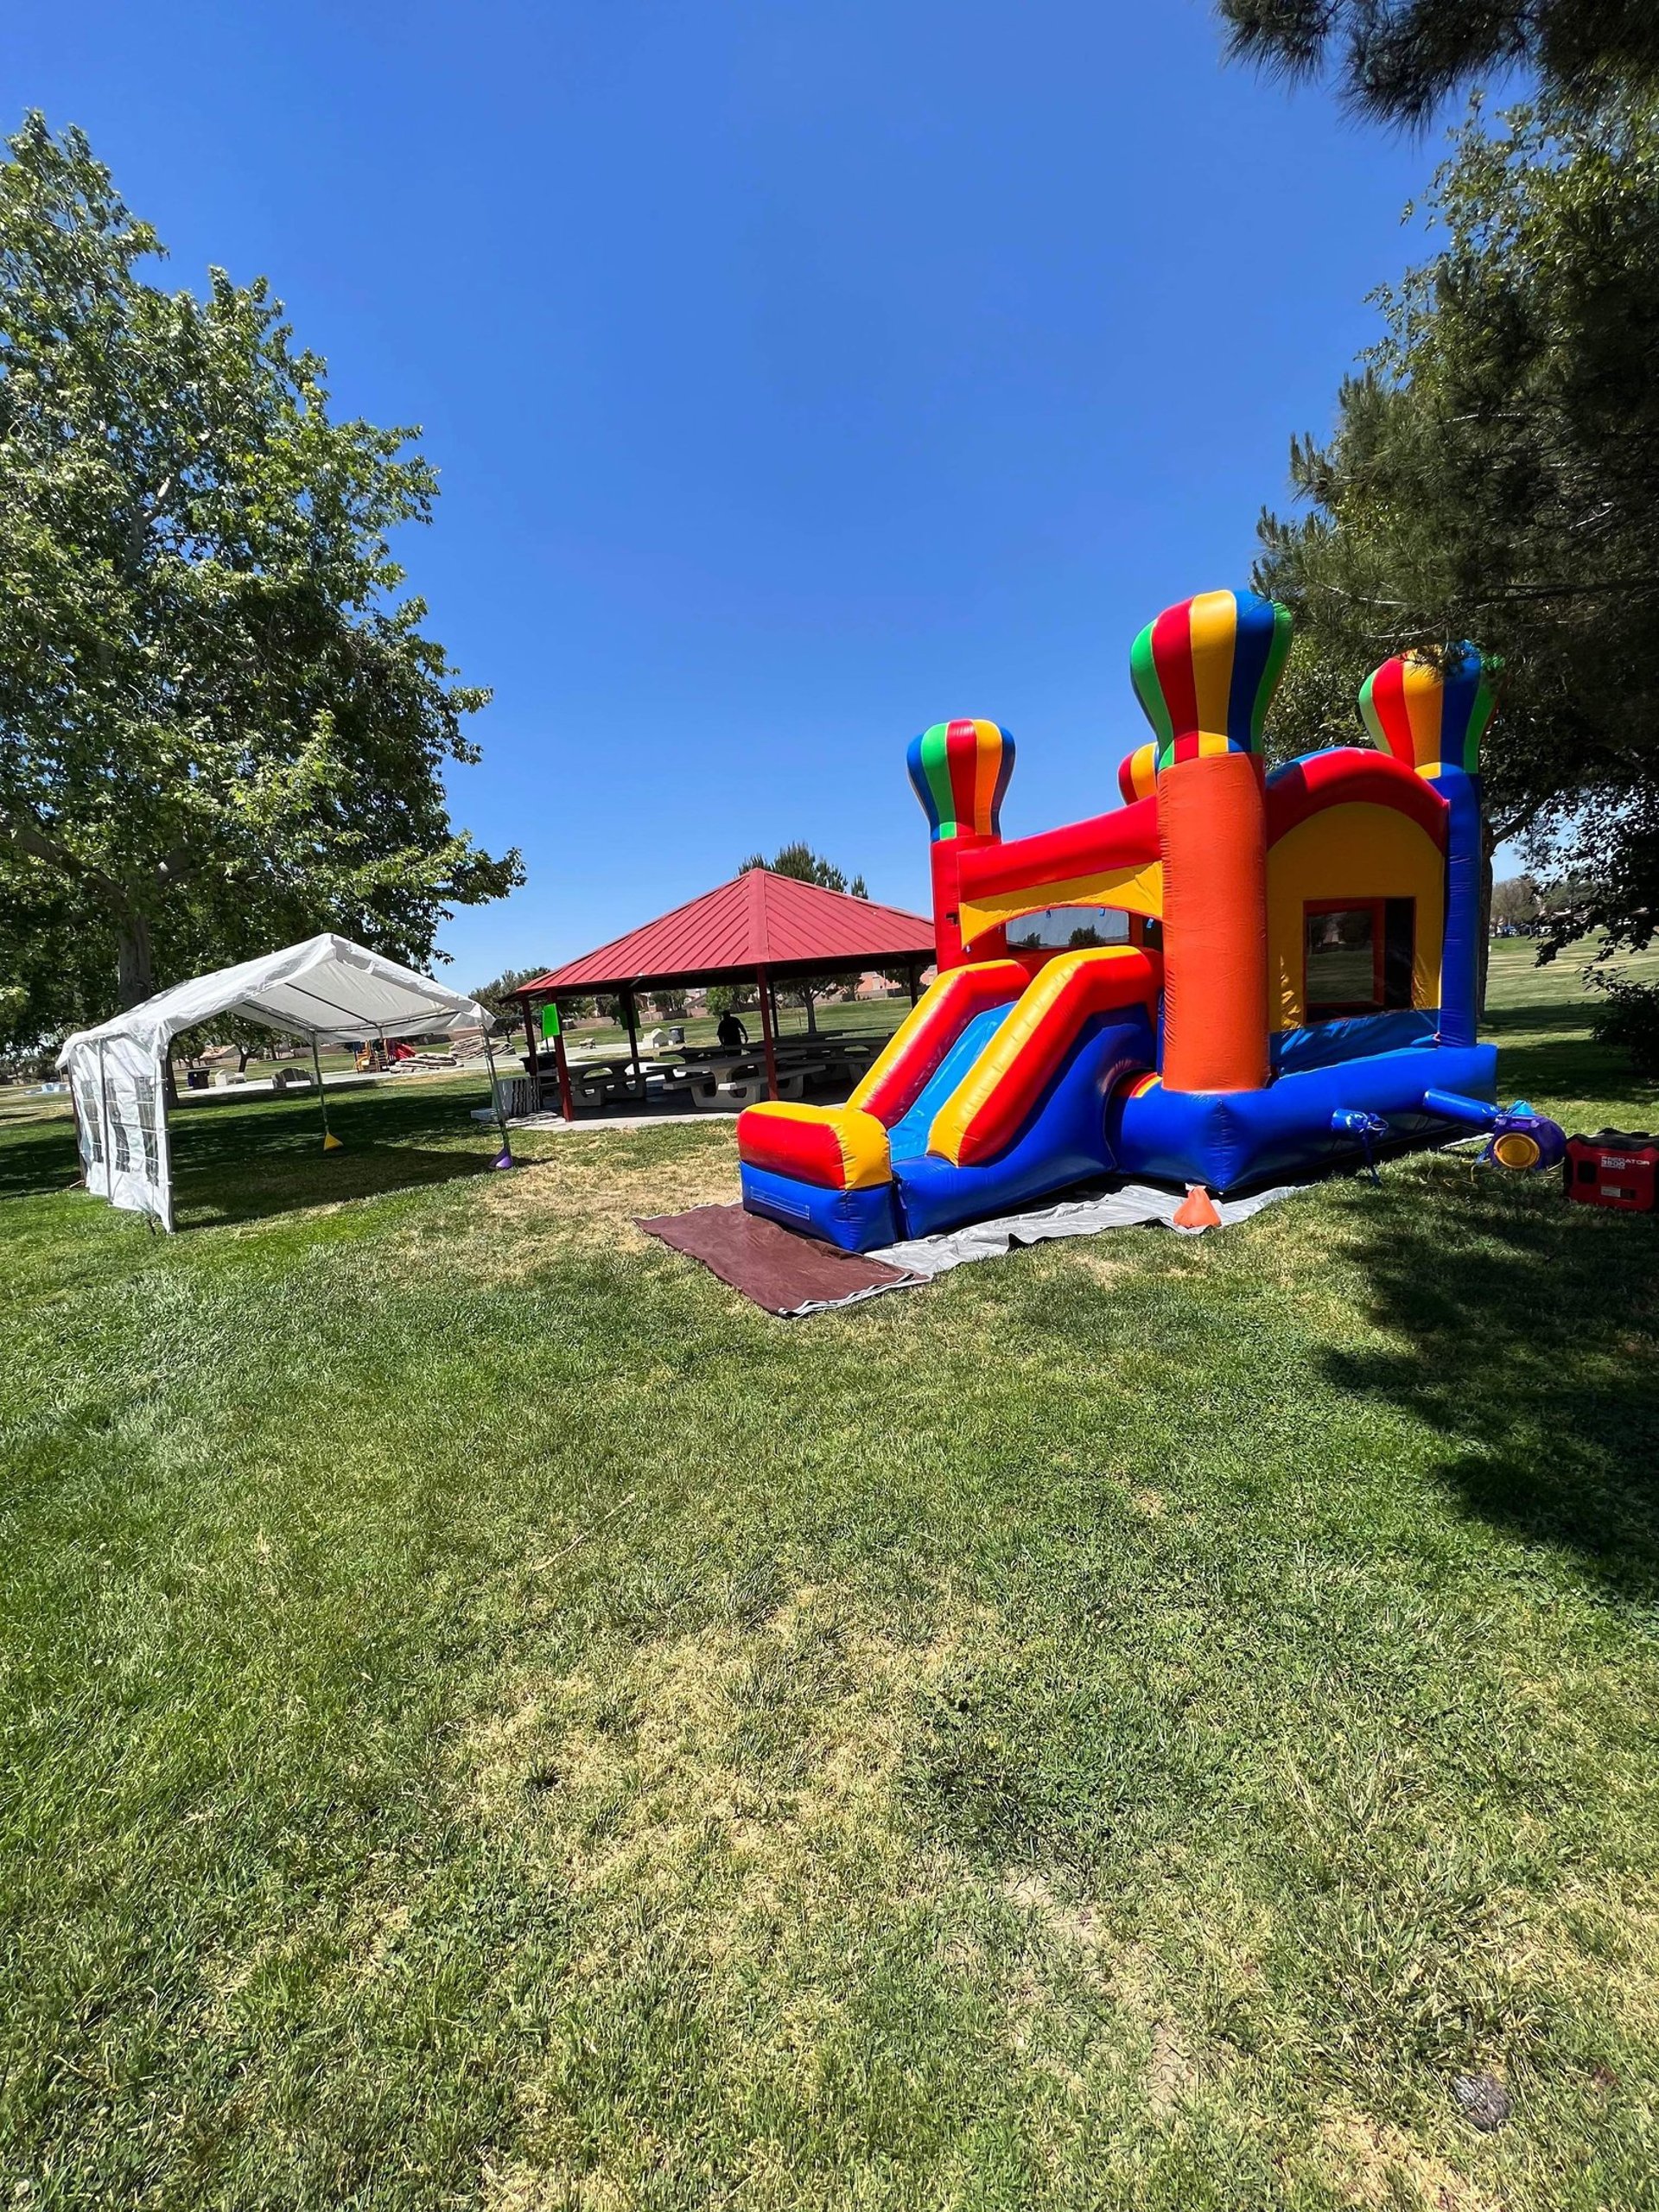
<point>330,1141</point>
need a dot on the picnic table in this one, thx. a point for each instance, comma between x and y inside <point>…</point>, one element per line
<point>710,1077</point>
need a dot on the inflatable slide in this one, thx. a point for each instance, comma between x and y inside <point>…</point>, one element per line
<point>993,1092</point>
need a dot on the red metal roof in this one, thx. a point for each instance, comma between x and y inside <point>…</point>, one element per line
<point>757,919</point>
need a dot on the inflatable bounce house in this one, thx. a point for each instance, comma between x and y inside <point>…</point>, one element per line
<point>1289,976</point>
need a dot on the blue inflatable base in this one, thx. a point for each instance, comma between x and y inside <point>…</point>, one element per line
<point>856,1221</point>
<point>1229,1138</point>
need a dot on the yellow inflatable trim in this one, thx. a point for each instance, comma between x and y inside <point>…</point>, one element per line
<point>1130,890</point>
<point>838,1148</point>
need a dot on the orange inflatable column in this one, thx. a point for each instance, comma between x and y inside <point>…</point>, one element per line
<point>1205,672</point>
<point>1212,826</point>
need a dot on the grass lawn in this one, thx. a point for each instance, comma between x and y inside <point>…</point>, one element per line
<point>492,1720</point>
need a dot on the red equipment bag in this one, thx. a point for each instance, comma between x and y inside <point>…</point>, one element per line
<point>1615,1167</point>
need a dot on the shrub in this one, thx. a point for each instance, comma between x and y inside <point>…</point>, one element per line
<point>1629,1018</point>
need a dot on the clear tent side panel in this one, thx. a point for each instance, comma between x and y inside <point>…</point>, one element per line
<point>86,1088</point>
<point>138,1167</point>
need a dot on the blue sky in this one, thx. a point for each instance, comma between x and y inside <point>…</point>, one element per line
<point>798,375</point>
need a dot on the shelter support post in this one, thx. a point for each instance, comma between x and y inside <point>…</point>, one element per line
<point>330,1141</point>
<point>567,1103</point>
<point>913,977</point>
<point>533,1064</point>
<point>631,1015</point>
<point>767,1031</point>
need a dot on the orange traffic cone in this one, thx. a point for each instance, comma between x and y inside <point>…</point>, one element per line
<point>1197,1211</point>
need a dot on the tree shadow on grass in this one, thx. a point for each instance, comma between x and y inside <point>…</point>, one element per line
<point>265,1157</point>
<point>213,1198</point>
<point>1545,1052</point>
<point>37,1158</point>
<point>1530,1333</point>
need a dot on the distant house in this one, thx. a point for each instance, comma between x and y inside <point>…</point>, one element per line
<point>872,984</point>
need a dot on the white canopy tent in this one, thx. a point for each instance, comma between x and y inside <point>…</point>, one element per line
<point>327,989</point>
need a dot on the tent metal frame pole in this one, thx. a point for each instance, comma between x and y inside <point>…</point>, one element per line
<point>104,1115</point>
<point>533,1066</point>
<point>80,1146</point>
<point>322,1101</point>
<point>506,1159</point>
<point>164,1140</point>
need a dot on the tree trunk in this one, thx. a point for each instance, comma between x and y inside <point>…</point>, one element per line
<point>134,965</point>
<point>242,1051</point>
<point>811,999</point>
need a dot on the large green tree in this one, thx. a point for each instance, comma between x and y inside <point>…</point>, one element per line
<point>1494,474</point>
<point>53,969</point>
<point>1398,59</point>
<point>221,726</point>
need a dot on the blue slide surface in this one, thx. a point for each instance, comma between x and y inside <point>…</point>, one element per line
<point>1064,1140</point>
<point>908,1139</point>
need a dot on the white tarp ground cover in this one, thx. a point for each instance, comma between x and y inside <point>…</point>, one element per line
<point>1130,1206</point>
<point>327,989</point>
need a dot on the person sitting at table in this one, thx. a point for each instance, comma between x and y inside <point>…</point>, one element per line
<point>732,1034</point>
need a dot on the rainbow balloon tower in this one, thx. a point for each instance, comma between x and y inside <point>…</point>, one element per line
<point>960,772</point>
<point>1205,672</point>
<point>1430,716</point>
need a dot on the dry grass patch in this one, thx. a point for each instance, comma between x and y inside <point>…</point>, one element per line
<point>720,1808</point>
<point>1083,1255</point>
<point>1377,2166</point>
<point>579,1192</point>
<point>775,1743</point>
<point>1072,1921</point>
<point>1171,2074</point>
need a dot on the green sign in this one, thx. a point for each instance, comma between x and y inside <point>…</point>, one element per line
<point>550,1023</point>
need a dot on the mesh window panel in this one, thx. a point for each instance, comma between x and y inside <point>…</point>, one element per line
<point>1341,960</point>
<point>1062,929</point>
<point>1399,951</point>
<point>87,1117</point>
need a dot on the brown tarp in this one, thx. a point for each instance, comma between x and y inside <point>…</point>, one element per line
<point>778,1270</point>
